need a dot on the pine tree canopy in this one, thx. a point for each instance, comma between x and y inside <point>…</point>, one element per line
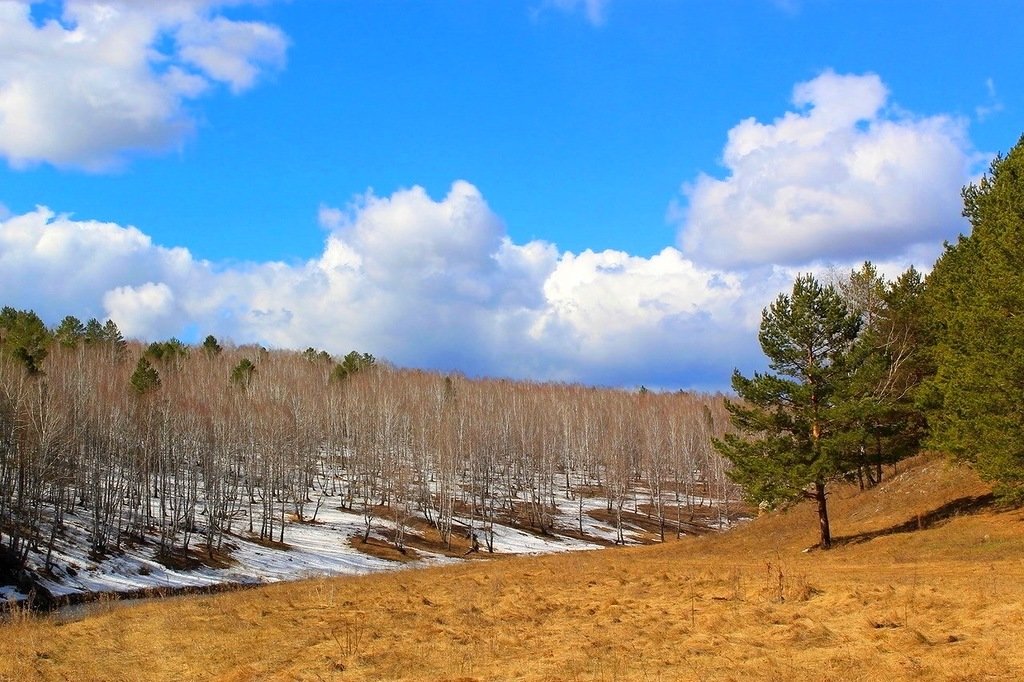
<point>145,378</point>
<point>211,346</point>
<point>785,419</point>
<point>25,337</point>
<point>976,293</point>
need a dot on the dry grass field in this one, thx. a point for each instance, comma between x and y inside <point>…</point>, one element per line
<point>927,583</point>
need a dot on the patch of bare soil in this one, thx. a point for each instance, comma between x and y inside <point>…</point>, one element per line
<point>383,549</point>
<point>195,557</point>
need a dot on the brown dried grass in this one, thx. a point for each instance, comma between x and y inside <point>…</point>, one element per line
<point>893,601</point>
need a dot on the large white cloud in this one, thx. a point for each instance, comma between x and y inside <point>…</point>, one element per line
<point>100,79</point>
<point>438,283</point>
<point>846,176</point>
<point>422,282</point>
<point>50,262</point>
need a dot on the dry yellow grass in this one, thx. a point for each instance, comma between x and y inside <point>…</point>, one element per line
<point>943,602</point>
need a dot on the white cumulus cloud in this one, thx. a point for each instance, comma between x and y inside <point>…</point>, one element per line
<point>82,86</point>
<point>420,281</point>
<point>51,262</point>
<point>145,310</point>
<point>847,175</point>
<point>438,283</point>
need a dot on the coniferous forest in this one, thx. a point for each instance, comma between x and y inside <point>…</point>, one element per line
<point>865,371</point>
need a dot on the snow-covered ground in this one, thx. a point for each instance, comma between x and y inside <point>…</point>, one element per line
<point>322,548</point>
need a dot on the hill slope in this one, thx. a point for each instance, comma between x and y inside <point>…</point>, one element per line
<point>926,583</point>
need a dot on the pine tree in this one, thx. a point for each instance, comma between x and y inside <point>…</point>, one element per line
<point>314,355</point>
<point>171,352</point>
<point>785,448</point>
<point>976,294</point>
<point>352,363</point>
<point>145,378</point>
<point>890,361</point>
<point>69,332</point>
<point>243,372</point>
<point>112,337</point>
<point>211,346</point>
<point>93,332</point>
<point>24,336</point>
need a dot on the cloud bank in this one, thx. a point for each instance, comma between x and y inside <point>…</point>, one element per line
<point>422,282</point>
<point>82,85</point>
<point>846,174</point>
<point>437,282</point>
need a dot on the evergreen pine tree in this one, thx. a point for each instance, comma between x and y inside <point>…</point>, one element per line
<point>69,332</point>
<point>243,372</point>
<point>785,448</point>
<point>170,352</point>
<point>883,423</point>
<point>145,378</point>
<point>93,332</point>
<point>211,346</point>
<point>24,336</point>
<point>976,295</point>
<point>352,363</point>
<point>112,337</point>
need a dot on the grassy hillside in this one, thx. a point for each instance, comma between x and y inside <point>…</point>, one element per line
<point>927,583</point>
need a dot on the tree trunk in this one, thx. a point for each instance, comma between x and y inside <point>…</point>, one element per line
<point>826,533</point>
<point>878,458</point>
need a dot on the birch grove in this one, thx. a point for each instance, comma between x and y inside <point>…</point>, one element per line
<point>207,450</point>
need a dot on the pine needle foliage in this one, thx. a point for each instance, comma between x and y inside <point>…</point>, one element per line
<point>145,378</point>
<point>786,418</point>
<point>243,372</point>
<point>976,292</point>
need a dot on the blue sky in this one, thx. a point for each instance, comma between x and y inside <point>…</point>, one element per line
<point>605,192</point>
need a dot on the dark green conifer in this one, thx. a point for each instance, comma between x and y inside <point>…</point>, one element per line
<point>243,372</point>
<point>24,336</point>
<point>145,378</point>
<point>211,346</point>
<point>976,295</point>
<point>93,332</point>
<point>784,448</point>
<point>111,336</point>
<point>352,363</point>
<point>69,332</point>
